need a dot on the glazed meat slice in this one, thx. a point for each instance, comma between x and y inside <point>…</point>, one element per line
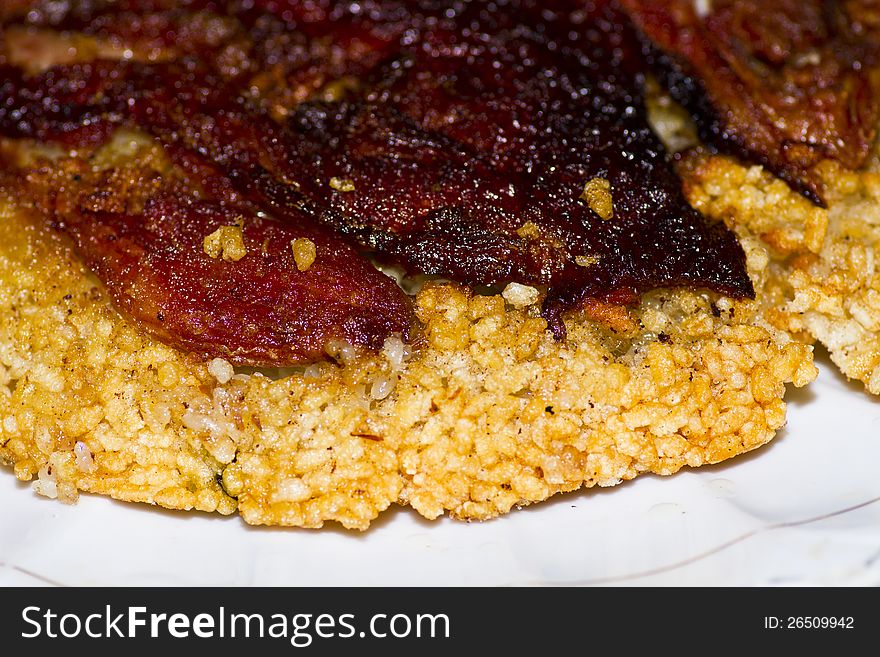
<point>785,83</point>
<point>456,139</point>
<point>261,304</point>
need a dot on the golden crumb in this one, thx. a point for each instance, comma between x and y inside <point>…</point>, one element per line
<point>520,296</point>
<point>597,194</point>
<point>586,260</point>
<point>342,184</point>
<point>226,242</point>
<point>304,252</point>
<point>221,369</point>
<point>529,231</point>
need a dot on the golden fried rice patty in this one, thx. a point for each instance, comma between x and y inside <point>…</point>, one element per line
<point>488,412</point>
<point>825,264</point>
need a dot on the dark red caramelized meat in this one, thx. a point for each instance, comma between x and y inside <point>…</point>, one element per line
<point>252,300</point>
<point>784,82</point>
<point>486,142</point>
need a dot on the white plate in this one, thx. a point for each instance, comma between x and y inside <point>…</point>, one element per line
<point>804,510</point>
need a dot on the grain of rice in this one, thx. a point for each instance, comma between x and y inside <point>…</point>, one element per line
<point>382,387</point>
<point>221,370</point>
<point>84,460</point>
<point>10,424</point>
<point>292,490</point>
<point>520,296</point>
<point>45,484</point>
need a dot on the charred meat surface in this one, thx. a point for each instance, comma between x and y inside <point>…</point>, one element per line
<point>486,142</point>
<point>785,83</point>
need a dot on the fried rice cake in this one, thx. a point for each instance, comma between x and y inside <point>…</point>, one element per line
<point>488,403</point>
<point>823,261</point>
<point>488,411</point>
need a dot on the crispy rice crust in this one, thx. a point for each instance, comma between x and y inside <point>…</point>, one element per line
<point>824,270</point>
<point>488,413</point>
